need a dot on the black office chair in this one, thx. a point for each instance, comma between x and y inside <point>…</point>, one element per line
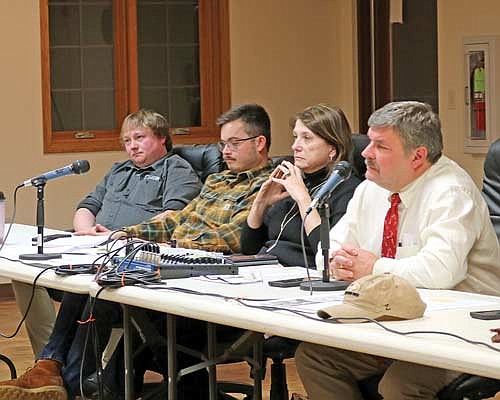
<point>491,184</point>
<point>204,158</point>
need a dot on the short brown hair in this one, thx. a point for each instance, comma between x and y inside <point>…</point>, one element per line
<point>329,123</point>
<point>152,120</point>
<point>254,117</point>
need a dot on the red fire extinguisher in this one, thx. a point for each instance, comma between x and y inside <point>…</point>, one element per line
<point>478,100</point>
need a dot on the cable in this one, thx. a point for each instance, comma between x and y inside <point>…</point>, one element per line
<point>127,278</point>
<point>91,330</point>
<point>118,276</point>
<point>366,319</point>
<point>76,269</point>
<point>16,331</point>
<point>304,254</point>
<point>243,301</point>
<point>14,208</point>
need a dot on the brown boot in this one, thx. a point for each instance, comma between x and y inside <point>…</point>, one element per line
<point>42,382</point>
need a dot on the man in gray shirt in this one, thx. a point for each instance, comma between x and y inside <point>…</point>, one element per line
<point>153,181</point>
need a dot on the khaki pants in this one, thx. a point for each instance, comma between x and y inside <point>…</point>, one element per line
<point>330,373</point>
<point>41,316</point>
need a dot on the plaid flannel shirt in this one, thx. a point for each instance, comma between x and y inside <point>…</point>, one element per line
<point>213,220</point>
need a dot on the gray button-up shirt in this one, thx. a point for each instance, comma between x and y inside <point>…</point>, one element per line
<point>129,195</point>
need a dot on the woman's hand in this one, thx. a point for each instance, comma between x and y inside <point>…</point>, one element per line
<point>270,192</point>
<point>293,184</point>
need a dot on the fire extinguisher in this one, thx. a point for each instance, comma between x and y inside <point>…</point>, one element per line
<point>478,100</point>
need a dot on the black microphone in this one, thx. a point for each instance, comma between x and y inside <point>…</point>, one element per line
<point>78,167</point>
<point>340,173</point>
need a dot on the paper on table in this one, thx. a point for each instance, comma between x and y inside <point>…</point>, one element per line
<point>435,300</point>
<point>261,273</point>
<point>306,303</point>
<point>439,300</point>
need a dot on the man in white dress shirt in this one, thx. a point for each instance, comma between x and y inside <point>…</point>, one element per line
<point>444,240</point>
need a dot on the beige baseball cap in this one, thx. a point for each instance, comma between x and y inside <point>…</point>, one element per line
<point>382,297</point>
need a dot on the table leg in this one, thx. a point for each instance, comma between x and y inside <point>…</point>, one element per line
<point>212,369</point>
<point>171,357</point>
<point>258,357</point>
<point>127,344</point>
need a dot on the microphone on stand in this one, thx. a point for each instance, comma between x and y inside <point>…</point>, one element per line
<point>340,173</point>
<point>78,167</point>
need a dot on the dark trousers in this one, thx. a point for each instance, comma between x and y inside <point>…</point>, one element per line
<point>190,333</point>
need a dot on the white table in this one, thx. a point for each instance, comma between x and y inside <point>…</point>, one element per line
<point>435,350</point>
<point>19,242</point>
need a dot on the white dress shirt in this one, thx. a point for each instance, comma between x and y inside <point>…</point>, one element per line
<point>445,236</point>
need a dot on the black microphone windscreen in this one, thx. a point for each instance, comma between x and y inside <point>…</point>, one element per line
<point>343,168</point>
<point>80,166</point>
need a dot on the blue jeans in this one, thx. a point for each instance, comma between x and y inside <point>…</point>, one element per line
<point>75,345</point>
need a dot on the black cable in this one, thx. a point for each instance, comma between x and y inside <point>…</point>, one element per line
<point>76,269</point>
<point>162,286</point>
<point>243,301</point>
<point>302,243</point>
<point>366,319</point>
<point>91,321</point>
<point>126,278</point>
<point>14,207</point>
<point>118,276</point>
<point>30,302</point>
<point>16,331</point>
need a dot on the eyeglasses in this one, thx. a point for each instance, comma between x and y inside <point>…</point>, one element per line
<point>233,144</point>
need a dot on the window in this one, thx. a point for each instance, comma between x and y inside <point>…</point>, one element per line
<point>102,59</point>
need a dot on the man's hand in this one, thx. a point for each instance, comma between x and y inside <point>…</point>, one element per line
<point>97,230</point>
<point>496,337</point>
<point>350,263</point>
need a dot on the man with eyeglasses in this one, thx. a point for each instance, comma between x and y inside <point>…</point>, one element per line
<point>212,221</point>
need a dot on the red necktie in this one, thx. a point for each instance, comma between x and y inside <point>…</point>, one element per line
<point>390,238</point>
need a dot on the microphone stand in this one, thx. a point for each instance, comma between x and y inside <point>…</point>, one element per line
<point>324,233</point>
<point>39,183</point>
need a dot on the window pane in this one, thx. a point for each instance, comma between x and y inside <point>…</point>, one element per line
<point>97,24</point>
<point>64,25</point>
<point>82,57</point>
<point>185,107</point>
<point>65,68</point>
<point>98,68</point>
<point>153,66</point>
<point>184,66</point>
<point>169,66</point>
<point>99,109</point>
<point>152,24</point>
<point>156,99</point>
<point>66,111</point>
<point>183,23</point>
